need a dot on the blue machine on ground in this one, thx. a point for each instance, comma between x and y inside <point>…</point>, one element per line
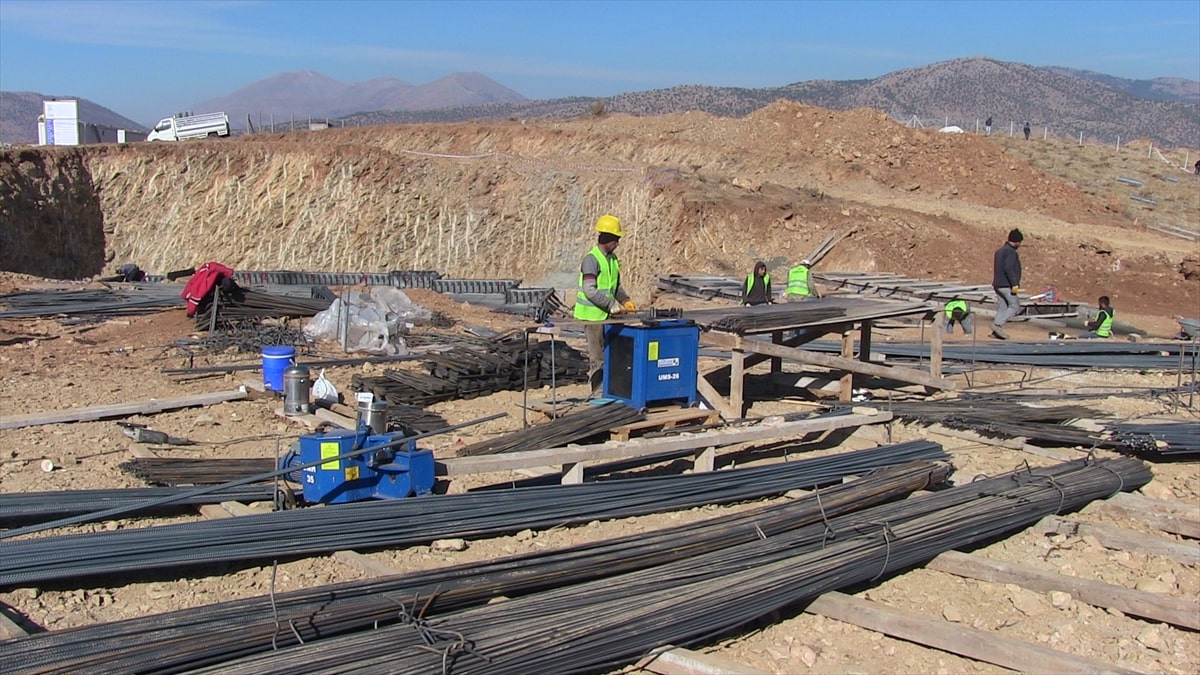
<point>651,363</point>
<point>382,473</point>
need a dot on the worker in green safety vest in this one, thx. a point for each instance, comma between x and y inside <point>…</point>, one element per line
<point>800,286</point>
<point>758,286</point>
<point>1101,326</point>
<point>600,294</point>
<point>958,311</point>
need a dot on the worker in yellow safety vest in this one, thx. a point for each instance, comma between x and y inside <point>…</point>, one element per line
<point>800,286</point>
<point>600,294</point>
<point>1101,326</point>
<point>957,311</point>
<point>758,286</point>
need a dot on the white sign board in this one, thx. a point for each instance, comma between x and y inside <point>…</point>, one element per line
<point>61,110</point>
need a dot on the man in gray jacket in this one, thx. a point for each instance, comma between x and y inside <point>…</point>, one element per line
<point>1006,281</point>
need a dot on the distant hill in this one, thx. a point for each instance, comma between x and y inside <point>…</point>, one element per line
<point>19,112</point>
<point>1158,89</point>
<point>963,90</point>
<point>309,94</point>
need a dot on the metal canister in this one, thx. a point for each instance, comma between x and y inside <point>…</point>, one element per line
<point>374,415</point>
<point>297,385</point>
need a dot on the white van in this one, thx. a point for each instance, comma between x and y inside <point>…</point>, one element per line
<point>185,125</point>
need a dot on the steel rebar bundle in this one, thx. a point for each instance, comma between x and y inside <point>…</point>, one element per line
<point>93,303</point>
<point>995,417</point>
<point>477,367</point>
<point>209,635</point>
<point>598,625</point>
<point>1107,354</point>
<point>37,507</point>
<point>570,428</point>
<point>243,303</point>
<point>1158,440</point>
<point>371,525</point>
<point>195,471</point>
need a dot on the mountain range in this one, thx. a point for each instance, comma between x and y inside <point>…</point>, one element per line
<point>1069,101</point>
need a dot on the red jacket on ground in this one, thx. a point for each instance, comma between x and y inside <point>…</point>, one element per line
<point>208,275</point>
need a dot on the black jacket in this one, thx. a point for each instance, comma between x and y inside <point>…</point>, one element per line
<point>1007,270</point>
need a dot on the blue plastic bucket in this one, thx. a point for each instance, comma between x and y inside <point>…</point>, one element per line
<point>275,360</point>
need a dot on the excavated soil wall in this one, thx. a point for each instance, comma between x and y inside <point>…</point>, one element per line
<point>696,194</point>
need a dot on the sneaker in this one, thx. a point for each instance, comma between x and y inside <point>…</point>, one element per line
<point>998,334</point>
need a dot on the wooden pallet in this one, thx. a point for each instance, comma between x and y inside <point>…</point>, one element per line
<point>666,419</point>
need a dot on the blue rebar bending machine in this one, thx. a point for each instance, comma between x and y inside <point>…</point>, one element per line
<point>653,362</point>
<point>387,473</point>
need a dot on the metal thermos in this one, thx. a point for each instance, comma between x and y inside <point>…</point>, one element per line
<point>374,415</point>
<point>296,388</point>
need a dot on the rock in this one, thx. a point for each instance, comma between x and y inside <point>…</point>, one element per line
<point>1157,490</point>
<point>952,614</point>
<point>1061,600</point>
<point>525,535</point>
<point>1153,586</point>
<point>449,545</point>
<point>1026,602</point>
<point>807,656</point>
<point>1152,639</point>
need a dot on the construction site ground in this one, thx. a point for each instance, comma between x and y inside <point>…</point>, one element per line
<point>49,367</point>
<point>697,194</point>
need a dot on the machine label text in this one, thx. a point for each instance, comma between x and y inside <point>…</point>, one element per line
<point>668,363</point>
<point>668,376</point>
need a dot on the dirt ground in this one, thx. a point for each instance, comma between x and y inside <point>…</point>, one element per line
<point>48,367</point>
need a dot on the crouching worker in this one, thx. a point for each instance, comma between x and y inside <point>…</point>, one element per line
<point>957,311</point>
<point>1101,326</point>
<point>758,286</point>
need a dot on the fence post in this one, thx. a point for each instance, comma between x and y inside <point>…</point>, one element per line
<point>1118,143</point>
<point>1045,133</point>
<point>1081,139</point>
<point>1150,151</point>
<point>1010,128</point>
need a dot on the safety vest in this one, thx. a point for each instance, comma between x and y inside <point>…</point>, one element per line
<point>1105,328</point>
<point>750,281</point>
<point>956,304</point>
<point>798,281</point>
<point>606,282</point>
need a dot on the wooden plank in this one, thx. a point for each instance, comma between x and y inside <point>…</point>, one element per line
<point>935,345</point>
<point>239,509</point>
<point>715,399</point>
<point>839,363</point>
<point>213,512</point>
<point>572,473</point>
<point>640,447</point>
<point>100,412</point>
<point>1001,650</point>
<point>1119,538</point>
<point>705,460</point>
<point>9,628</point>
<point>737,378</point>
<point>666,419</point>
<point>672,660</point>
<point>1181,519</point>
<point>1153,606</point>
<point>847,380</point>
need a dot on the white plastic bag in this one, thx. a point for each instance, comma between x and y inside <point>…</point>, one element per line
<point>372,321</point>
<point>323,389</point>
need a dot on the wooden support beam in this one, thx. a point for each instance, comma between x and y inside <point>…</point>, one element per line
<point>641,447</point>
<point>935,346</point>
<point>847,380</point>
<point>737,379</point>
<point>1173,517</point>
<point>705,460</point>
<point>100,412</point>
<point>776,362</point>
<point>716,400</point>
<point>672,660</point>
<point>837,362</point>
<point>572,473</point>
<point>1001,650</point>
<point>1153,606</point>
<point>1120,538</point>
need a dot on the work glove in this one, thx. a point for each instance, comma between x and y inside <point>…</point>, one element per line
<point>629,306</point>
<point>1016,289</point>
<point>615,309</point>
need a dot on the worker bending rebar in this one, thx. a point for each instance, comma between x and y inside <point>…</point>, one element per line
<point>600,294</point>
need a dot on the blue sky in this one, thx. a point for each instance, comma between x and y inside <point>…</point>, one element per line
<point>146,60</point>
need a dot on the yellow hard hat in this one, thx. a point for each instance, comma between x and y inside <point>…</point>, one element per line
<point>609,224</point>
